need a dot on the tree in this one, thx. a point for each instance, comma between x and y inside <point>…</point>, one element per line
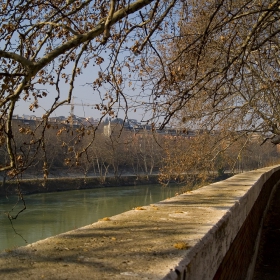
<point>41,40</point>
<point>222,71</point>
<point>220,74</point>
<point>209,64</point>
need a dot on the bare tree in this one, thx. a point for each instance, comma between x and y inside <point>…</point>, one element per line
<point>46,43</point>
<point>222,69</point>
<point>206,64</point>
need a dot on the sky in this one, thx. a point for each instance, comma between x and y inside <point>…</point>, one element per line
<point>85,99</point>
<point>82,96</point>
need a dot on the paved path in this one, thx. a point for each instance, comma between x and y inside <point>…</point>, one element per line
<point>268,260</point>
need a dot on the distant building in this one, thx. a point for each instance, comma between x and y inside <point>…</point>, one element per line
<point>60,119</point>
<point>25,120</point>
<point>92,121</point>
<point>107,130</point>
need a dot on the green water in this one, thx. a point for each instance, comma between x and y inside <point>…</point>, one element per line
<point>49,214</point>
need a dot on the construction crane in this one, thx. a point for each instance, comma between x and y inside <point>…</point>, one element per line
<point>73,104</point>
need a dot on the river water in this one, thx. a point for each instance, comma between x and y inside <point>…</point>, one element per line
<point>49,214</point>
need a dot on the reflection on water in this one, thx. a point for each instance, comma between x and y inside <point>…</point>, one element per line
<point>53,213</point>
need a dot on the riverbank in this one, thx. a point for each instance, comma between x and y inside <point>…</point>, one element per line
<point>68,182</point>
<point>37,185</point>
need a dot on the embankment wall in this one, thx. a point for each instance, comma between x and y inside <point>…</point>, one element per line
<point>228,250</point>
<point>31,186</point>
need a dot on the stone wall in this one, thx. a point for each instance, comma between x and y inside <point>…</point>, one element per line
<point>228,250</point>
<point>242,249</point>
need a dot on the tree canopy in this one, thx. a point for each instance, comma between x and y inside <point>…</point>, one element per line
<point>205,64</point>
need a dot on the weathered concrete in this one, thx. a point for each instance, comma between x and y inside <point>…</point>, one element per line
<point>185,237</point>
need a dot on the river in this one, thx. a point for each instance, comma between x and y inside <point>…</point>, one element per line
<point>49,214</point>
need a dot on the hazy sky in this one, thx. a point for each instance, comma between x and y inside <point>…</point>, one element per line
<point>83,92</point>
<point>84,97</point>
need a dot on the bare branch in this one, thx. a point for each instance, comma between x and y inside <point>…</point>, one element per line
<point>98,30</point>
<point>108,21</point>
<point>22,60</point>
